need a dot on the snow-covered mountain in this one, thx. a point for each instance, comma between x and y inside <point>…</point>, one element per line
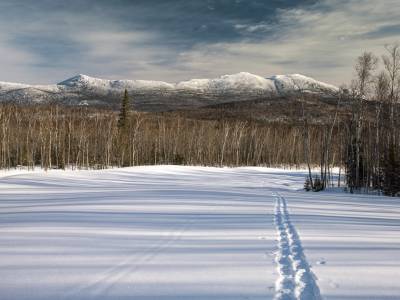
<point>293,83</point>
<point>239,82</point>
<point>159,95</point>
<point>86,82</point>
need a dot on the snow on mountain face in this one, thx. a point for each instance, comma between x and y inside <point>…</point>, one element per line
<point>7,86</point>
<point>281,84</point>
<point>86,82</point>
<point>159,95</point>
<point>240,81</point>
<point>299,83</point>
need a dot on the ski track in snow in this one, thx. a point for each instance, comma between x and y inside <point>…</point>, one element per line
<point>296,280</point>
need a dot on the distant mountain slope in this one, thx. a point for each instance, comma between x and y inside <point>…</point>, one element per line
<point>86,82</point>
<point>239,82</point>
<point>299,83</point>
<point>159,96</point>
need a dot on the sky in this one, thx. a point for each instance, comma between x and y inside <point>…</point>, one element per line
<point>47,41</point>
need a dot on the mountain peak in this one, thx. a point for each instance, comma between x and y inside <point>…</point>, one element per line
<point>77,80</point>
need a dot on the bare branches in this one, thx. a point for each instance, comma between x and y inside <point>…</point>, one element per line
<point>364,67</point>
<point>391,62</point>
<point>60,137</point>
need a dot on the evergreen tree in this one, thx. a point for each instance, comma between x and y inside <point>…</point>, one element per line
<point>124,110</point>
<point>318,184</point>
<point>307,185</point>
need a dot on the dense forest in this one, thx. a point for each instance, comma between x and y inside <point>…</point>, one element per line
<point>360,134</point>
<point>84,137</point>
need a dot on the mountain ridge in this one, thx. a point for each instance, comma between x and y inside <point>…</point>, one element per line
<point>159,95</point>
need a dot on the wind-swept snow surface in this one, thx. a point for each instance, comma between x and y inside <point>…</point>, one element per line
<point>172,232</point>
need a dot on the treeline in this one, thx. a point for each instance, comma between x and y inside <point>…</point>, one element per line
<point>82,137</point>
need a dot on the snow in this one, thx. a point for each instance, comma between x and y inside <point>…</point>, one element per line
<point>296,279</point>
<point>172,232</point>
<point>240,83</point>
<point>86,90</point>
<point>10,86</point>
<point>84,81</point>
<point>296,82</point>
<point>6,86</point>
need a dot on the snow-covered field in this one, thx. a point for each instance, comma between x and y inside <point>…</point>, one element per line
<point>171,232</point>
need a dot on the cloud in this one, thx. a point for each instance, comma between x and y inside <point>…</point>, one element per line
<point>13,60</point>
<point>46,41</point>
<point>391,31</point>
<point>321,41</point>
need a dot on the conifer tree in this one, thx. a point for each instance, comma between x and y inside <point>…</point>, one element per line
<point>124,110</point>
